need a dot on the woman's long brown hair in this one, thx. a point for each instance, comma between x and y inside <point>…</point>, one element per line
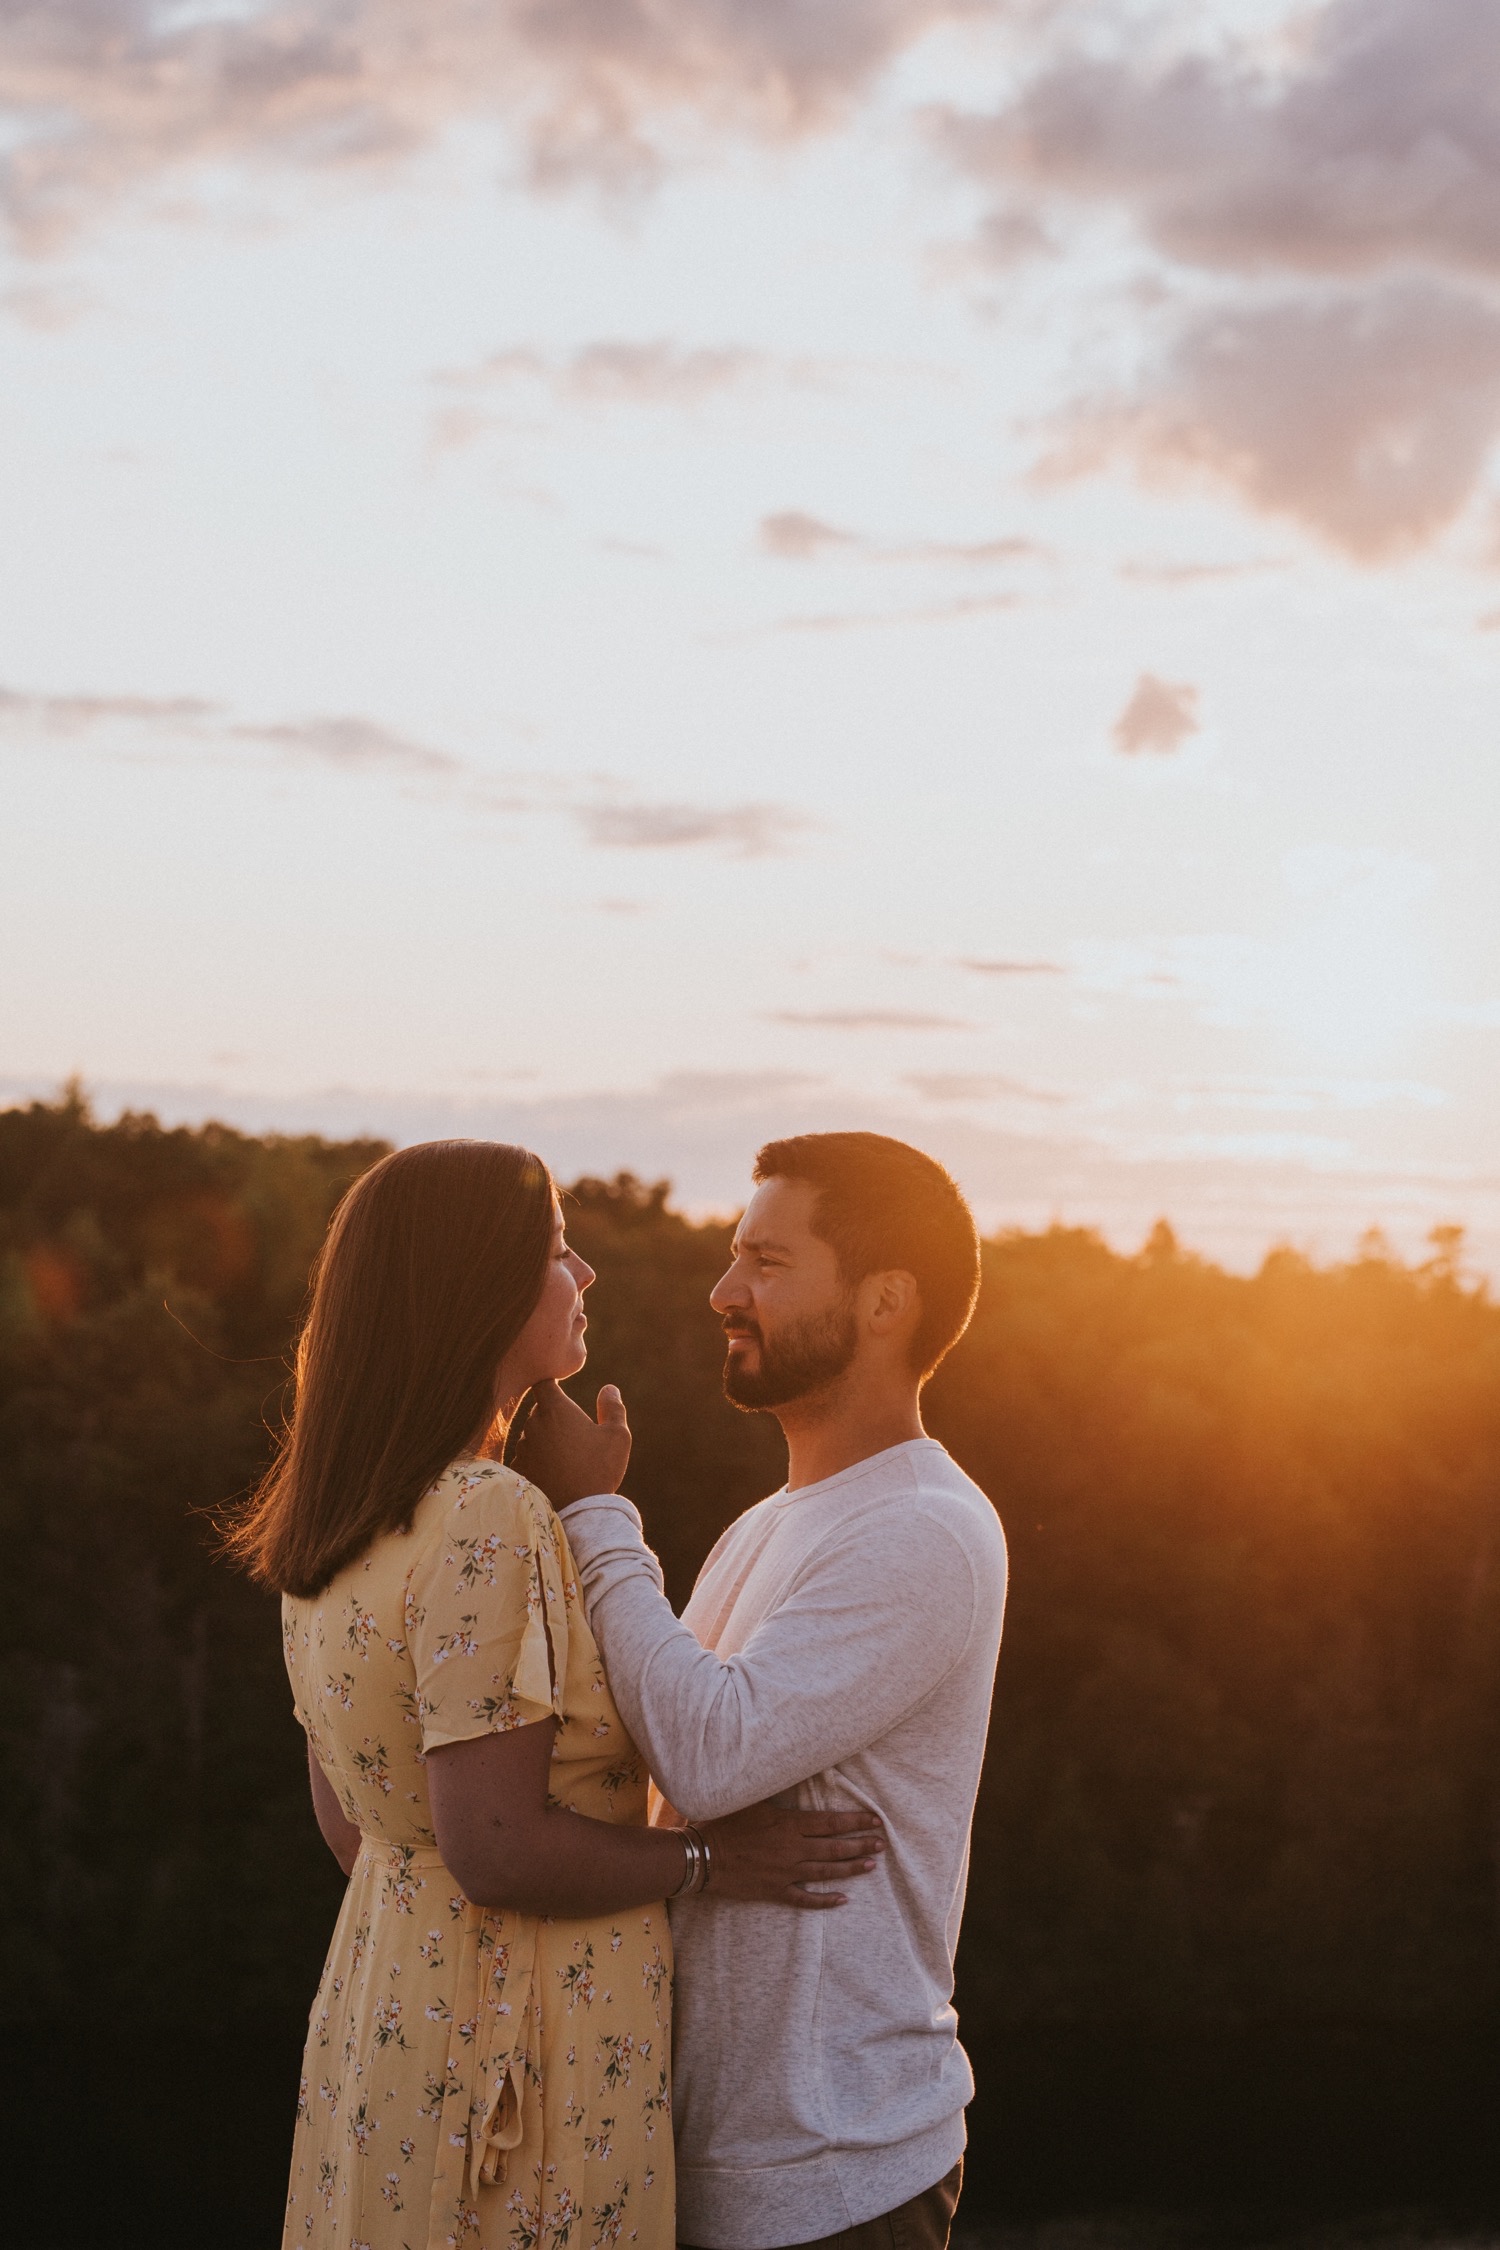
<point>432,1265</point>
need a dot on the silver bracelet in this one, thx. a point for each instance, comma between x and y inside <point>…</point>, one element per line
<point>695,1854</point>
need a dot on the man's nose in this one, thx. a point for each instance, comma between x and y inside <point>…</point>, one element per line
<point>728,1292</point>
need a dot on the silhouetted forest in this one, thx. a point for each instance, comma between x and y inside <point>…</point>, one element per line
<point>1234,1922</point>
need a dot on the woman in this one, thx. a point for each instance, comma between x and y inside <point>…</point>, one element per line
<point>489,2052</point>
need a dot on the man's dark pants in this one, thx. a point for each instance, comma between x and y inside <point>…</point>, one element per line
<point>921,2224</point>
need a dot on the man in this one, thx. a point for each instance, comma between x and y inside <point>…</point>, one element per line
<point>838,1651</point>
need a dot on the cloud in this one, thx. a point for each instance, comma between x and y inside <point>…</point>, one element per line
<point>1343,180</point>
<point>798,538</point>
<point>936,613</point>
<point>608,813</point>
<point>973,1086</point>
<point>867,1019</point>
<point>795,537</point>
<point>352,744</point>
<point>101,96</point>
<point>1008,237</point>
<point>1370,140</point>
<point>988,968</point>
<point>617,371</point>
<point>77,714</point>
<point>613,372</point>
<point>1195,573</point>
<point>1365,417</point>
<point>48,310</point>
<point>745,831</point>
<point>975,551</point>
<point>1159,716</point>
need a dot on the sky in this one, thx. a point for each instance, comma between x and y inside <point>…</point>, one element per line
<point>640,579</point>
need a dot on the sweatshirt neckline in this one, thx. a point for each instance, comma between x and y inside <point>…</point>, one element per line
<point>855,1471</point>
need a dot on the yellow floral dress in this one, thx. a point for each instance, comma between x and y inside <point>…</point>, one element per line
<point>473,2078</point>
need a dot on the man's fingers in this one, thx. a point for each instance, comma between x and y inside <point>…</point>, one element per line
<point>609,1408</point>
<point>554,1404</point>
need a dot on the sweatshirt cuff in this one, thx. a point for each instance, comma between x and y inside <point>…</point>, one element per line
<point>614,1501</point>
<point>606,1535</point>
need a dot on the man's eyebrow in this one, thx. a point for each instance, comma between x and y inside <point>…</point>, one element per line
<point>760,1242</point>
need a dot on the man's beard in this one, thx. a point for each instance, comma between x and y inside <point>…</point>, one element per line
<point>803,1359</point>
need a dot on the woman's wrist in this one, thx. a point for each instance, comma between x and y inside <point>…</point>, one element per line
<point>697,1858</point>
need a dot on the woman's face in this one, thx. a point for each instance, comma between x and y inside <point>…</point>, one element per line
<point>551,1345</point>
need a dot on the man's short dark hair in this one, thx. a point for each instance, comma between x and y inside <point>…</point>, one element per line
<point>883,1206</point>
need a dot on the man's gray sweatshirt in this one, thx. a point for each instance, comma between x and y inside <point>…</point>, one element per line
<point>838,1650</point>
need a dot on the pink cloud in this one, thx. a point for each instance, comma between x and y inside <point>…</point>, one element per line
<point>1345,180</point>
<point>794,536</point>
<point>742,831</point>
<point>1160,716</point>
<point>1366,417</point>
<point>102,95</point>
<point>797,537</point>
<point>1373,140</point>
<point>619,370</point>
<point>608,814</point>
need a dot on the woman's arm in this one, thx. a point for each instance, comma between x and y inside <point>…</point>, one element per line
<point>339,1834</point>
<point>508,1847</point>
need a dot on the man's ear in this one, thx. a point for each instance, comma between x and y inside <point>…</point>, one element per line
<point>894,1302</point>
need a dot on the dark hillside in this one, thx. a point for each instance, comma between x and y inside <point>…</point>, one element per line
<point>1234,1926</point>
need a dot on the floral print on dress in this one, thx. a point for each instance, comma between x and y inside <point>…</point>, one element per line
<point>488,2080</point>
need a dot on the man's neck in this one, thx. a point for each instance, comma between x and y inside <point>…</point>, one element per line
<point>838,1429</point>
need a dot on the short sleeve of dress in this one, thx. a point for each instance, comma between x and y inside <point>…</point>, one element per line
<point>289,1650</point>
<point>486,1619</point>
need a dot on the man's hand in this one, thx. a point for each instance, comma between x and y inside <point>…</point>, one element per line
<point>566,1455</point>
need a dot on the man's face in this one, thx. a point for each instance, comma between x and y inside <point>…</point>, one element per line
<point>788,1314</point>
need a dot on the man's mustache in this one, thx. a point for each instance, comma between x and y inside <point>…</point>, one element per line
<point>735,1325</point>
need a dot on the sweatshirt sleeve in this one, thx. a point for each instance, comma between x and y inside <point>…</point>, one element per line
<point>873,1624</point>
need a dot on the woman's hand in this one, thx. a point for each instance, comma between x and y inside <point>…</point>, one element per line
<point>767,1853</point>
<point>565,1454</point>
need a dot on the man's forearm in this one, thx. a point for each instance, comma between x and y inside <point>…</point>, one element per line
<point>676,1697</point>
<point>826,1674</point>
